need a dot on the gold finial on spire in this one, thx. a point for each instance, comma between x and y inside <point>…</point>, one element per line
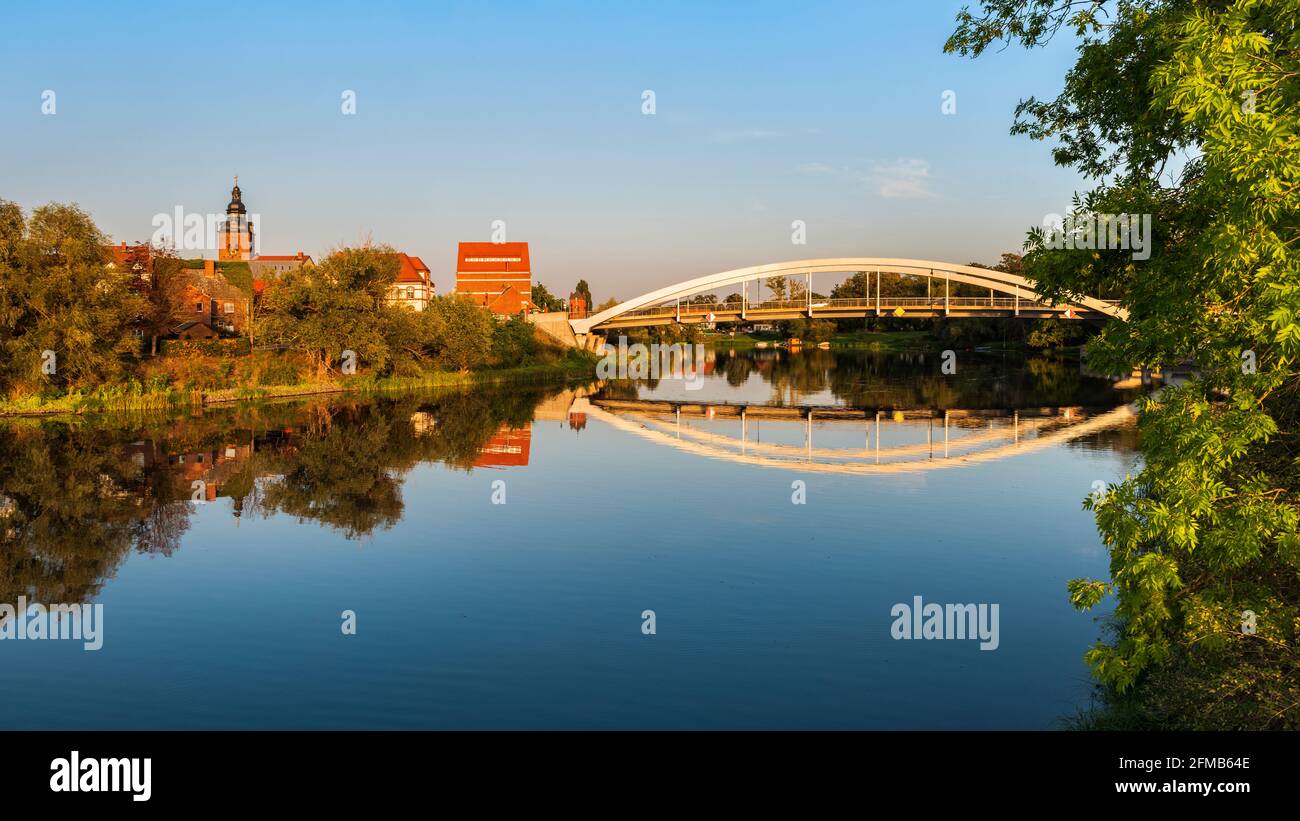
<point>236,180</point>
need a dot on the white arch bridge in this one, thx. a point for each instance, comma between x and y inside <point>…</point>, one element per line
<point>1009,295</point>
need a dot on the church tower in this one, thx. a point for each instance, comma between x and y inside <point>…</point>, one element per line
<point>236,240</point>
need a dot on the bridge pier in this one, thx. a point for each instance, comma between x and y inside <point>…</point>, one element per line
<point>808,436</point>
<point>877,437</point>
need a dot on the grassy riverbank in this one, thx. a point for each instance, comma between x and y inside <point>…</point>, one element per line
<point>574,365</point>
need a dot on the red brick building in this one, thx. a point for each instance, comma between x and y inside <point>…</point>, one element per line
<point>577,306</point>
<point>496,275</point>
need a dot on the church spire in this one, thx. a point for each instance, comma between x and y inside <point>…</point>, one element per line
<point>236,200</point>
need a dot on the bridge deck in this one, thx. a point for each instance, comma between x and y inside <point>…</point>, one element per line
<point>913,307</point>
<point>714,410</point>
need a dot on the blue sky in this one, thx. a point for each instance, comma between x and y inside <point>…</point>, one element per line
<point>531,113</point>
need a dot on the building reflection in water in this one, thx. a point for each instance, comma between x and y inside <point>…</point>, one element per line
<point>79,495</point>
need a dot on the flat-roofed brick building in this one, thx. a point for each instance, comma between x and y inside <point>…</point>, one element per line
<point>496,275</point>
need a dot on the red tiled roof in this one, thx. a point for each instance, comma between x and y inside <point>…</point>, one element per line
<point>284,257</point>
<point>411,269</point>
<point>492,257</point>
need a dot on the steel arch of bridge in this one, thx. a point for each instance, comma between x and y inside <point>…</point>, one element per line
<point>983,277</point>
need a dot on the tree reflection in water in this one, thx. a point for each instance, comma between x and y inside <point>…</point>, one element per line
<point>76,495</point>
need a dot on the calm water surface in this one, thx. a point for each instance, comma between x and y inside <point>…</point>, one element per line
<point>622,497</point>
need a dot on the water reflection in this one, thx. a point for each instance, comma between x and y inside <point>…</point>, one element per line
<point>895,442</point>
<point>888,380</point>
<point>77,496</point>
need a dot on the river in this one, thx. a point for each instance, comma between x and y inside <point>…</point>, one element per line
<point>723,552</point>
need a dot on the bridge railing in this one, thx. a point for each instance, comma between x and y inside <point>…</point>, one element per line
<point>884,303</point>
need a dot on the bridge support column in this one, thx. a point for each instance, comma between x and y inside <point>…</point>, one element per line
<point>743,431</point>
<point>877,437</point>
<point>945,293</point>
<point>877,292</point>
<point>808,435</point>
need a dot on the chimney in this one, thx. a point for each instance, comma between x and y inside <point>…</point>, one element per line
<point>209,267</point>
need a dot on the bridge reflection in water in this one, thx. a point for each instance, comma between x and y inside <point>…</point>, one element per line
<point>952,438</point>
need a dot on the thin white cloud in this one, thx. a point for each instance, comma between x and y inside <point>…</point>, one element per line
<point>907,179</point>
<point>903,179</point>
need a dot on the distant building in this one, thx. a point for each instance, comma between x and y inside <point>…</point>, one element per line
<point>496,275</point>
<point>413,287</point>
<point>236,243</point>
<point>270,266</point>
<point>578,306</point>
<point>236,233</point>
<point>137,259</point>
<point>210,298</point>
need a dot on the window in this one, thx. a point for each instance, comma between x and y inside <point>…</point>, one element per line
<point>410,293</point>
<point>230,307</point>
<point>198,307</point>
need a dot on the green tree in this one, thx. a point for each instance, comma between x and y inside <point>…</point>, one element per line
<point>584,289</point>
<point>336,306</point>
<point>165,294</point>
<point>544,300</point>
<point>458,333</point>
<point>778,286</point>
<point>58,295</point>
<point>1207,530</point>
<point>514,341</point>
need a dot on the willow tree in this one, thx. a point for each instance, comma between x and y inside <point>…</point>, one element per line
<point>1187,110</point>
